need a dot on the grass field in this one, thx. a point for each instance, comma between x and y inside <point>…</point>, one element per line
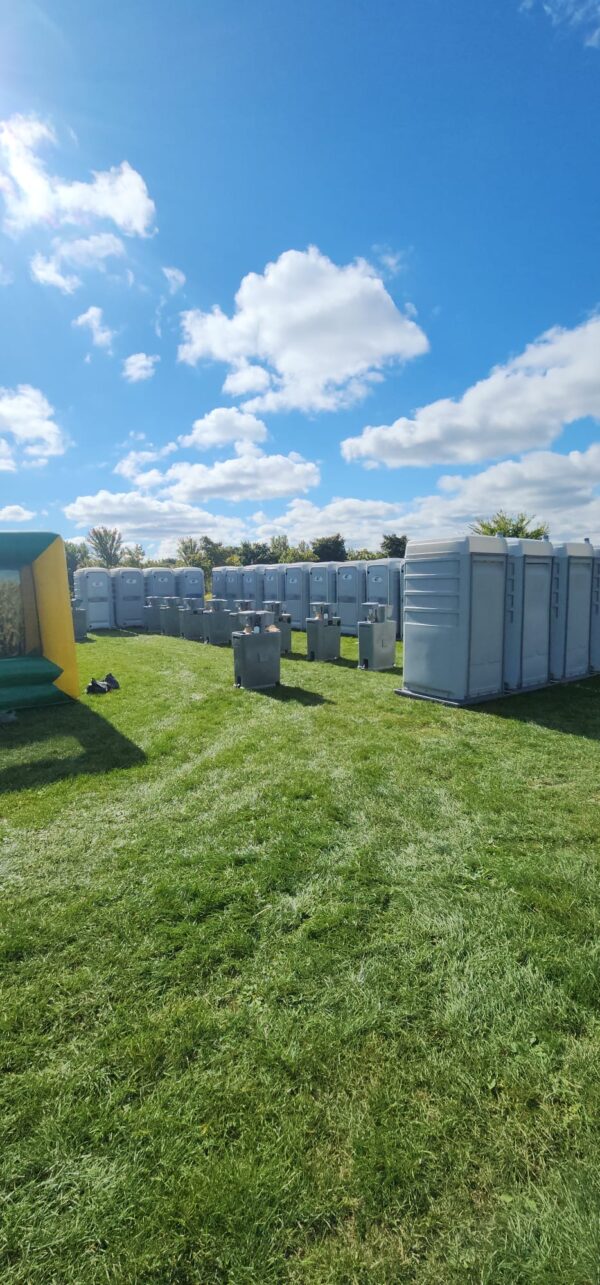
<point>298,986</point>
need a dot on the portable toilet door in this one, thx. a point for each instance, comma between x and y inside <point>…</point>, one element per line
<point>595,615</point>
<point>527,623</point>
<point>297,592</point>
<point>218,581</point>
<point>232,588</point>
<point>128,597</point>
<point>351,594</point>
<point>571,610</point>
<point>93,586</point>
<point>253,585</point>
<point>323,582</point>
<point>159,582</point>
<point>189,582</point>
<point>274,584</point>
<point>384,586</point>
<point>454,603</point>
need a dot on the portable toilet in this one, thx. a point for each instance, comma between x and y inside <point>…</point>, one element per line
<point>385,583</point>
<point>323,632</point>
<point>93,586</point>
<point>283,621</point>
<point>454,594</point>
<point>169,617</point>
<point>219,623</point>
<point>191,620</point>
<point>189,582</point>
<point>595,615</point>
<point>159,582</point>
<point>571,610</point>
<point>351,593</point>
<point>218,581</point>
<point>257,653</point>
<point>252,585</point>
<point>233,585</point>
<point>527,621</point>
<point>274,584</point>
<point>152,615</point>
<point>323,582</point>
<point>128,597</point>
<point>377,637</point>
<point>297,590</point>
<point>79,615</point>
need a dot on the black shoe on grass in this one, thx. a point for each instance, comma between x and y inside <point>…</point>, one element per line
<point>112,683</point>
<point>97,689</point>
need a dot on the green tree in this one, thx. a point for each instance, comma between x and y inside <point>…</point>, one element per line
<point>133,556</point>
<point>78,555</point>
<point>279,547</point>
<point>189,552</point>
<point>106,545</point>
<point>330,548</point>
<point>393,546</point>
<point>363,555</point>
<point>518,524</point>
<point>253,553</point>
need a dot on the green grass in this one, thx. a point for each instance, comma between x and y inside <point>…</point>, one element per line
<point>298,987</point>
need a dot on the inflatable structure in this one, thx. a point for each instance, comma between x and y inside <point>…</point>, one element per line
<point>37,646</point>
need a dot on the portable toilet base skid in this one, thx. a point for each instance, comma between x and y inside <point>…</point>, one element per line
<point>323,633</point>
<point>257,653</point>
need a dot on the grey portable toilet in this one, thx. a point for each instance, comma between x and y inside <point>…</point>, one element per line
<point>257,653</point>
<point>351,593</point>
<point>323,582</point>
<point>233,585</point>
<point>159,582</point>
<point>79,620</point>
<point>385,584</point>
<point>169,617</point>
<point>527,621</point>
<point>283,621</point>
<point>191,621</point>
<point>377,637</point>
<point>571,610</point>
<point>595,615</point>
<point>252,585</point>
<point>128,597</point>
<point>274,584</point>
<point>297,585</point>
<point>93,587</point>
<point>323,632</point>
<point>152,615</point>
<point>189,582</point>
<point>454,593</point>
<point>218,581</point>
<point>219,623</point>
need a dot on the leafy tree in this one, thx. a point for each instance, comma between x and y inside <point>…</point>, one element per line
<point>189,552</point>
<point>362,555</point>
<point>253,553</point>
<point>106,545</point>
<point>393,546</point>
<point>301,552</point>
<point>78,555</point>
<point>518,525</point>
<point>279,547</point>
<point>133,556</point>
<point>330,548</point>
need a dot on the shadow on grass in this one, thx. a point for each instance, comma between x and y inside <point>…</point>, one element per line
<point>340,663</point>
<point>103,748</point>
<point>570,708</point>
<point>299,694</point>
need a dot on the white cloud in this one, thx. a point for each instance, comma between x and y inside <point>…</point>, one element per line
<point>524,403</point>
<point>83,252</point>
<point>136,463</point>
<point>175,278</point>
<point>321,333</point>
<point>27,429</point>
<point>222,425</point>
<point>32,195</point>
<point>139,366</point>
<point>47,273</point>
<point>143,517</point>
<point>582,15</point>
<point>91,320</point>
<point>16,513</point>
<point>361,522</point>
<point>248,476</point>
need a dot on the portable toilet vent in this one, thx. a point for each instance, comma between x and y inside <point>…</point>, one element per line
<point>571,610</point>
<point>454,594</point>
<point>283,621</point>
<point>252,585</point>
<point>152,615</point>
<point>377,637</point>
<point>274,584</point>
<point>219,623</point>
<point>297,580</point>
<point>93,587</point>
<point>323,582</point>
<point>191,620</point>
<point>527,622</point>
<point>159,582</point>
<point>189,582</point>
<point>385,584</point>
<point>257,652</point>
<point>351,593</point>
<point>169,617</point>
<point>233,586</point>
<point>128,597</point>
<point>595,615</point>
<point>323,632</point>
<point>79,614</point>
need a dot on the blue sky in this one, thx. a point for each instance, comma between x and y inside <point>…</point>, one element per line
<point>299,267</point>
